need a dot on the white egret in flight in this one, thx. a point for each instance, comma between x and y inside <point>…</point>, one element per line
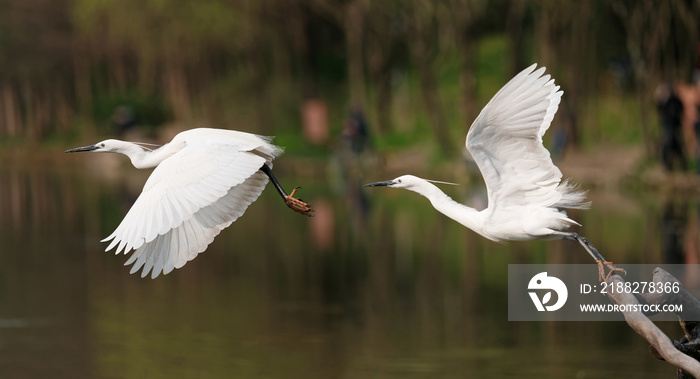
<point>526,193</point>
<point>204,179</point>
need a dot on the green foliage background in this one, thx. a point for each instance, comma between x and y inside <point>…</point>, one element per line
<point>420,71</point>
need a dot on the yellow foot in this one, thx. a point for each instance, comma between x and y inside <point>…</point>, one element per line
<point>601,270</point>
<point>297,205</point>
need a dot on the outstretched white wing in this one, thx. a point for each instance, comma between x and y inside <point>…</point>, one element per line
<point>188,199</point>
<point>506,143</point>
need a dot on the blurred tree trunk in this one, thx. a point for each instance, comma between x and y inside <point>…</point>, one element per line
<point>379,49</point>
<point>42,113</point>
<point>351,17</point>
<point>634,16</point>
<point>34,110</point>
<point>259,88</point>
<point>431,98</point>
<point>81,75</point>
<point>118,71</point>
<point>295,22</point>
<point>63,107</point>
<point>10,123</point>
<point>175,89</point>
<point>382,41</point>
<point>515,33</point>
<point>580,65</point>
<point>545,34</point>
<point>27,99</point>
<point>422,41</point>
<point>564,30</point>
<point>354,27</point>
<point>147,73</point>
<point>464,14</point>
<point>468,76</point>
<point>384,98</point>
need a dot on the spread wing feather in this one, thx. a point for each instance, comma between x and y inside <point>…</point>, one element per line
<point>188,199</point>
<point>506,143</point>
<point>183,243</point>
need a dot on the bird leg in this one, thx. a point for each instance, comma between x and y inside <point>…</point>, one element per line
<point>295,204</point>
<point>599,259</point>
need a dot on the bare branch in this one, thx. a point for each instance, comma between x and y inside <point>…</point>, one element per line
<point>647,329</point>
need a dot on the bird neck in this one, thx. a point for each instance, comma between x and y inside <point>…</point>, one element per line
<point>141,158</point>
<point>467,216</point>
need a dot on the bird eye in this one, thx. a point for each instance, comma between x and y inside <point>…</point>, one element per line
<point>398,180</point>
<point>102,145</point>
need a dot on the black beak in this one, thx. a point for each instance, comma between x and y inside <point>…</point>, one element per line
<point>381,184</point>
<point>84,148</point>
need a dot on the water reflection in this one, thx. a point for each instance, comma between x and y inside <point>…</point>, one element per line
<point>378,287</point>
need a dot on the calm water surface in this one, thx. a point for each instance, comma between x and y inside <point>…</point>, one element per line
<point>377,285</point>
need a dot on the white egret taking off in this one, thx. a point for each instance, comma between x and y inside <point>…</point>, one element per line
<point>526,193</point>
<point>204,179</point>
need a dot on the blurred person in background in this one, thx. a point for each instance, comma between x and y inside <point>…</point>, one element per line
<point>670,110</point>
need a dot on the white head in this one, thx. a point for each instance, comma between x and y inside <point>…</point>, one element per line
<point>408,182</point>
<point>106,146</point>
<point>140,154</point>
